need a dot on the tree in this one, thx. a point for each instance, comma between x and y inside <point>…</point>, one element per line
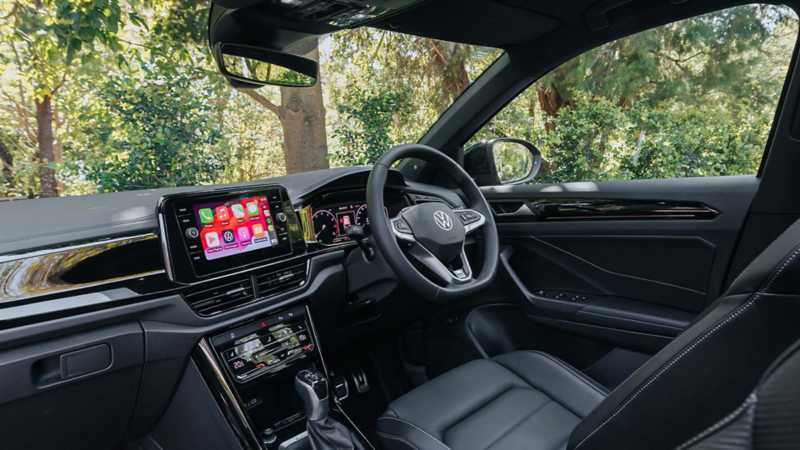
<point>154,134</point>
<point>50,41</point>
<point>718,55</point>
<point>368,132</point>
<point>302,116</point>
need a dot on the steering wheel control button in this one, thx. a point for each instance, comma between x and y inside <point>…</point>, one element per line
<point>402,226</point>
<point>468,217</point>
<point>192,233</point>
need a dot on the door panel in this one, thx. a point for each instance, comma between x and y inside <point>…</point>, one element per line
<point>634,281</point>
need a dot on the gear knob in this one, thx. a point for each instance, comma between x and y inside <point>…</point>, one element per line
<point>312,387</point>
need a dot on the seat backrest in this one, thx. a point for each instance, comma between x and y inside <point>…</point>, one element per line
<point>767,420</point>
<point>711,368</point>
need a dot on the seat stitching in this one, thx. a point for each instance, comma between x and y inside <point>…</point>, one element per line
<point>750,400</point>
<point>568,369</point>
<point>630,320</point>
<point>617,273</point>
<point>691,347</point>
<point>396,438</point>
<point>418,428</point>
<point>484,406</point>
<point>520,423</point>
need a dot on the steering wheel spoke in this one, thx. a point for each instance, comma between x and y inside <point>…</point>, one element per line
<point>471,219</point>
<point>456,273</point>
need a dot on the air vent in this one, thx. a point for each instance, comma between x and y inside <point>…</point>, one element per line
<point>272,283</point>
<point>210,301</point>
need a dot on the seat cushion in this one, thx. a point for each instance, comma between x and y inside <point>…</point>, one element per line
<point>519,400</point>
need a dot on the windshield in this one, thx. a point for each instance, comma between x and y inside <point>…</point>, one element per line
<point>124,95</point>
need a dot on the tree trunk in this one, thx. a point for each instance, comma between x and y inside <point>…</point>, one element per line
<point>550,102</point>
<point>48,187</point>
<point>7,164</point>
<point>305,140</point>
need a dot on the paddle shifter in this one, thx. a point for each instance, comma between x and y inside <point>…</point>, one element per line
<point>324,433</point>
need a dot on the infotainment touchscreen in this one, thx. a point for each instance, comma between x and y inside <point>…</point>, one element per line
<point>235,226</point>
<point>209,233</point>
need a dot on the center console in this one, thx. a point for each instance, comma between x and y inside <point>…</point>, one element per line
<point>255,365</point>
<point>236,248</point>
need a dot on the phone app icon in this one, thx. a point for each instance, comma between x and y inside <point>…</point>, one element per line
<point>206,215</point>
<point>238,210</point>
<point>258,230</point>
<point>222,213</point>
<point>271,228</point>
<point>252,209</point>
<point>228,237</point>
<point>212,239</point>
<point>244,233</point>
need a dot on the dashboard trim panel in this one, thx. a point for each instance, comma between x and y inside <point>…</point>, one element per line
<point>41,272</point>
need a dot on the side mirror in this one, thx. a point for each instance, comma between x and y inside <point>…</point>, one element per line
<point>261,66</point>
<point>502,161</point>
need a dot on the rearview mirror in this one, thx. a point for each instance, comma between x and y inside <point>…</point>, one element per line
<point>502,161</point>
<point>263,66</point>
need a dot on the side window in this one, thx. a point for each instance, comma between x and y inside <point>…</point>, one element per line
<point>694,98</point>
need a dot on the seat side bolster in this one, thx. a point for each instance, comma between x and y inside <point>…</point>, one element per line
<point>404,434</point>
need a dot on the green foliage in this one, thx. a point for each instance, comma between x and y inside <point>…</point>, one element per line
<point>599,140</point>
<point>692,98</point>
<point>367,134</point>
<point>155,133</point>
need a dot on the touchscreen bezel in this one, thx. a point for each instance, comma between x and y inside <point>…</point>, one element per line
<point>182,267</point>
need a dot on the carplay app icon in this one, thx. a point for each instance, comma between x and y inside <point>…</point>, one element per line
<point>258,230</point>
<point>206,215</point>
<point>252,209</point>
<point>238,210</point>
<point>212,239</point>
<point>222,213</point>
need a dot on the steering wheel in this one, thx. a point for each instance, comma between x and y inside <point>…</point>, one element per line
<point>432,261</point>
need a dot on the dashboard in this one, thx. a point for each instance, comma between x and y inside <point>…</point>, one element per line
<point>331,214</point>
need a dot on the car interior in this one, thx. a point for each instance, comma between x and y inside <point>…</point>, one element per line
<point>435,299</point>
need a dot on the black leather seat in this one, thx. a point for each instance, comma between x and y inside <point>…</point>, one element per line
<point>767,420</point>
<point>521,400</point>
<point>533,401</point>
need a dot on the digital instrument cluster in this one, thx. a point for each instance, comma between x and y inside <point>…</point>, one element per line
<point>334,213</point>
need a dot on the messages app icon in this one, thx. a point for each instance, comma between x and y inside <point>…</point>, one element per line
<point>252,209</point>
<point>206,215</point>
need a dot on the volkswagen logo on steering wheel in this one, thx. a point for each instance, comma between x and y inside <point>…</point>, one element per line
<point>443,220</point>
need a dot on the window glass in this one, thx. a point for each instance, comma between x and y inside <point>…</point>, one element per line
<point>117,95</point>
<point>694,98</point>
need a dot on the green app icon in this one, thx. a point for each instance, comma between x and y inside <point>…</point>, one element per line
<point>270,228</point>
<point>252,209</point>
<point>206,215</point>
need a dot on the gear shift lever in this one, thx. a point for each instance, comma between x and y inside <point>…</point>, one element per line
<point>324,433</point>
<point>312,387</point>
